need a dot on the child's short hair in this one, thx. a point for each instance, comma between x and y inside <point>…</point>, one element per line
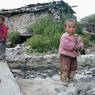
<point>3,18</point>
<point>70,20</point>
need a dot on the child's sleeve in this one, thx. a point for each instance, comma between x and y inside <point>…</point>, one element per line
<point>5,30</point>
<point>66,43</point>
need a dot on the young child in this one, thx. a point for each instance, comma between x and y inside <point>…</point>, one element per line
<point>70,46</point>
<point>3,35</point>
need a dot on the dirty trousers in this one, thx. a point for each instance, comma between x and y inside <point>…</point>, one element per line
<point>68,67</point>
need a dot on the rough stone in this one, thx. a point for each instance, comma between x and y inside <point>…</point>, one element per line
<point>53,86</point>
<point>17,57</point>
<point>8,84</point>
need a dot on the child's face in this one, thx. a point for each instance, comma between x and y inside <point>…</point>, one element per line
<point>70,27</point>
<point>1,21</point>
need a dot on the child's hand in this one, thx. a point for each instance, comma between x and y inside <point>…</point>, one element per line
<point>2,40</point>
<point>77,48</point>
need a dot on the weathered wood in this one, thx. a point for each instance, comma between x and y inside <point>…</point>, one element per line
<point>8,84</point>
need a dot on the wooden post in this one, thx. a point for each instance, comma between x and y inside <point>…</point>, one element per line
<point>8,85</point>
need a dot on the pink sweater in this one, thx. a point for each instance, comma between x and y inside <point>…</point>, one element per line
<point>67,44</point>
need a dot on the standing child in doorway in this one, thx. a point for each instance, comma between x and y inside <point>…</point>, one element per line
<point>3,35</point>
<point>70,46</point>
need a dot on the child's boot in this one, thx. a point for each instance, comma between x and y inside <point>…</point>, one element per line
<point>71,77</point>
<point>64,78</point>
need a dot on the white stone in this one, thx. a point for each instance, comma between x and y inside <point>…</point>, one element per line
<point>8,85</point>
<point>56,77</point>
<point>61,93</point>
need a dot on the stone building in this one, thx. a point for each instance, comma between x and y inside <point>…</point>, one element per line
<point>18,19</point>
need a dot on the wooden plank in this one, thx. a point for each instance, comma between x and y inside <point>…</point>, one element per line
<point>8,84</point>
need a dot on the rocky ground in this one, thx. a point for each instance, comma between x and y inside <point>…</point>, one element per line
<point>40,75</point>
<point>53,86</point>
<point>47,82</point>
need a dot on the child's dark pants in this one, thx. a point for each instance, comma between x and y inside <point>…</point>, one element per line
<point>2,51</point>
<point>68,67</point>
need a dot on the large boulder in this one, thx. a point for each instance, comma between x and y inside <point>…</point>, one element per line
<point>8,85</point>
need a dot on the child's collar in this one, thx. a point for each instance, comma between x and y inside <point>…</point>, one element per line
<point>68,34</point>
<point>75,34</point>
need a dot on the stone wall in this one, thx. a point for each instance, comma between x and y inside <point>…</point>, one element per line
<point>17,58</point>
<point>21,21</point>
